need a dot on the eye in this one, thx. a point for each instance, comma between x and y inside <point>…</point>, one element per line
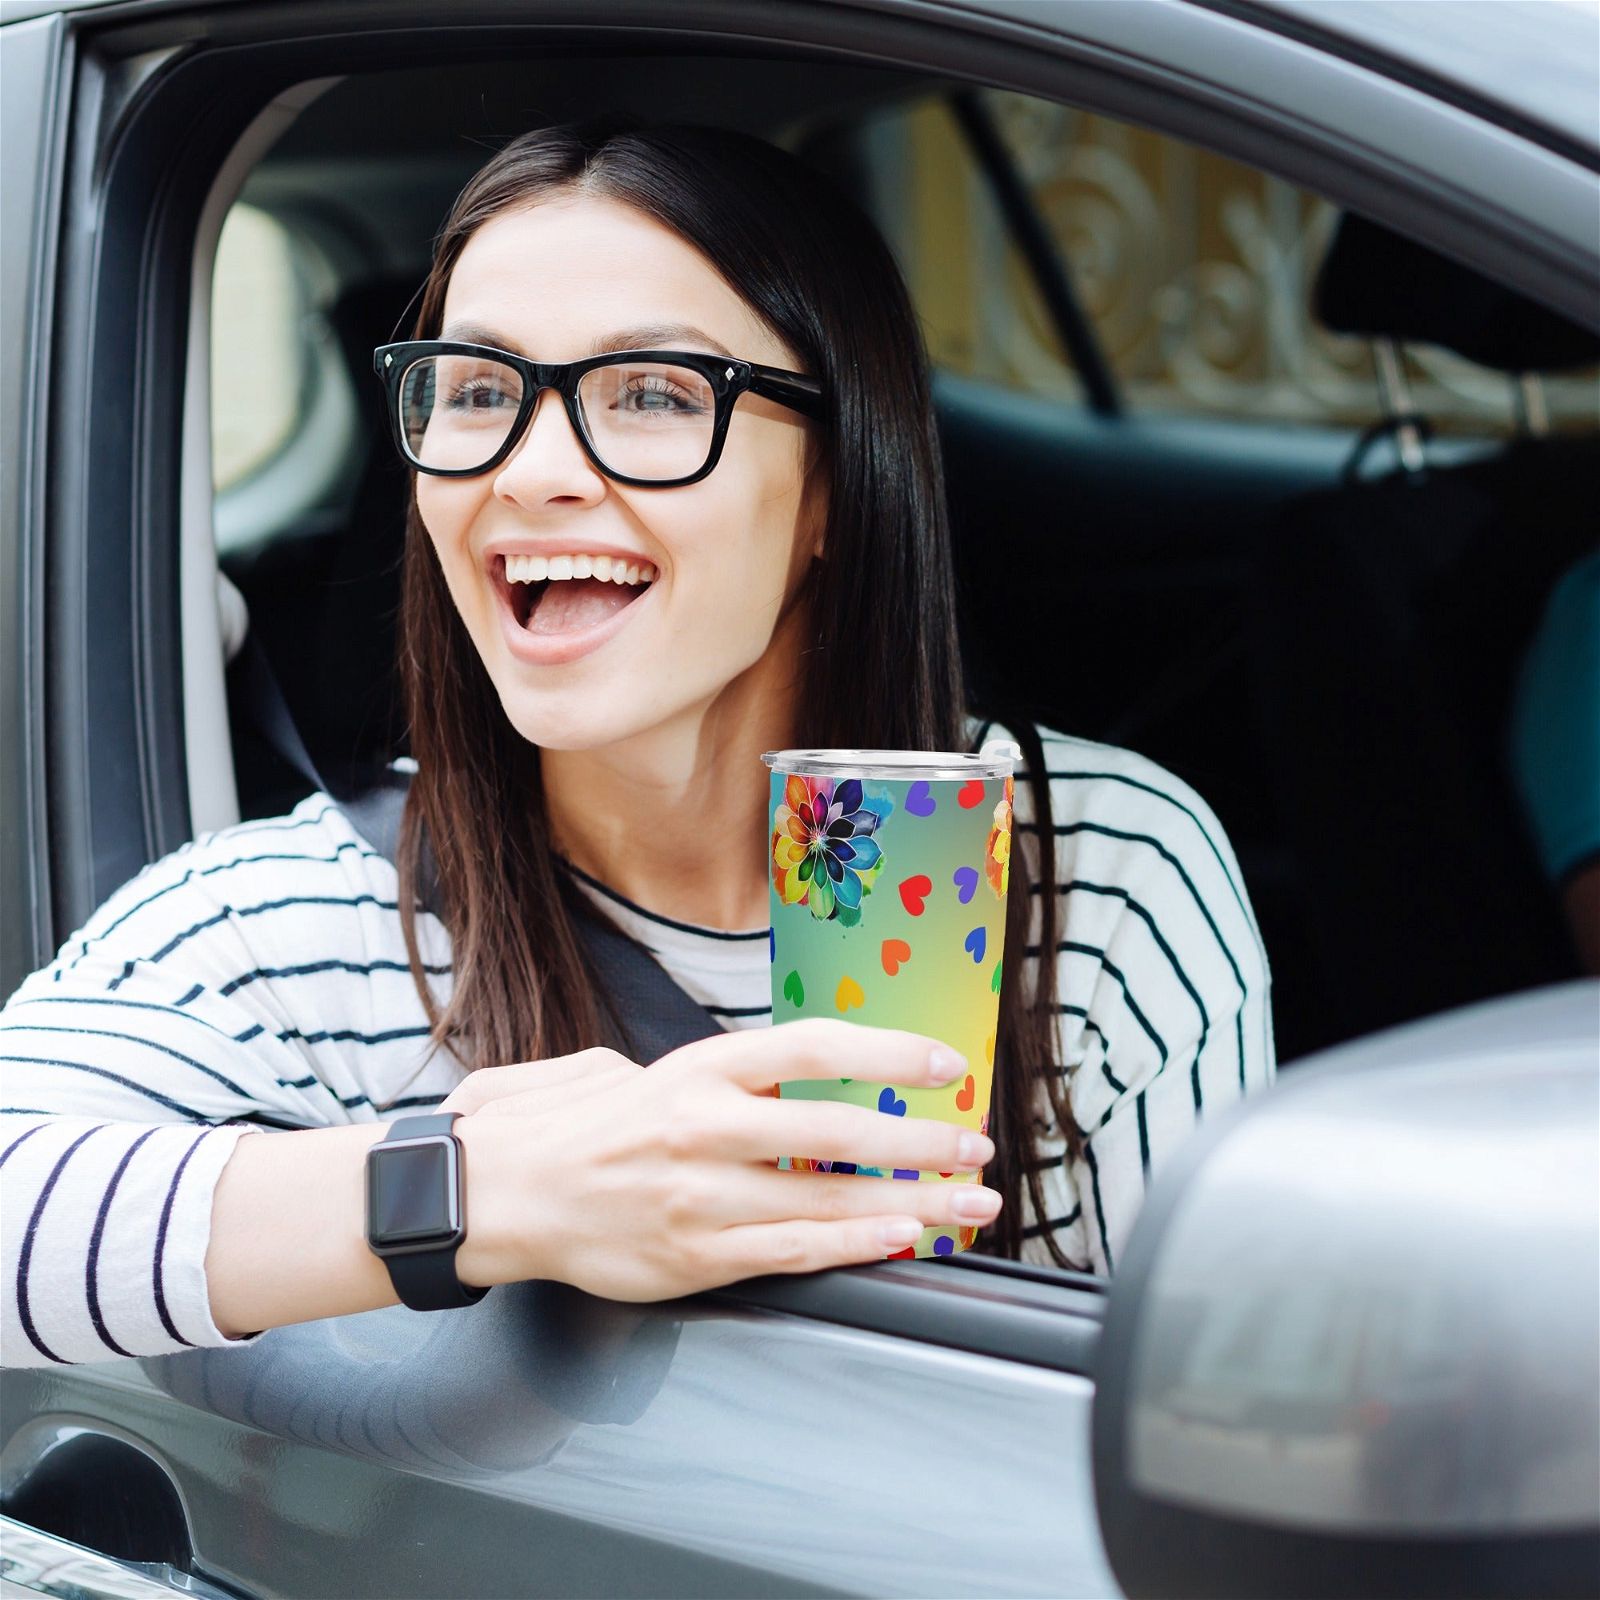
<point>480,394</point>
<point>647,392</point>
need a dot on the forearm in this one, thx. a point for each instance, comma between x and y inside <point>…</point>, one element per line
<point>288,1231</point>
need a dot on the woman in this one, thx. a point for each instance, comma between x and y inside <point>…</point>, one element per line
<point>603,730</point>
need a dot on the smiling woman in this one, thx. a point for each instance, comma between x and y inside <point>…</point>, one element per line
<point>734,542</point>
<point>729,536</point>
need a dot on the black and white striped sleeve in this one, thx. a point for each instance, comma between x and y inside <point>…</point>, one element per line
<point>132,1065</point>
<point>1163,985</point>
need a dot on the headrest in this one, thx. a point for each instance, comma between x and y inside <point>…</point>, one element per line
<point>1375,284</point>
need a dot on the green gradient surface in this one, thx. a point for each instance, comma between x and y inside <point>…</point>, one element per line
<point>940,988</point>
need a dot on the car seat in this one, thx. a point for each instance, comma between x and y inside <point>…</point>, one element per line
<point>323,606</point>
<point>364,724</point>
<point>1387,622</point>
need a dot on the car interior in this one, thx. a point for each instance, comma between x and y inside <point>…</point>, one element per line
<point>1314,619</point>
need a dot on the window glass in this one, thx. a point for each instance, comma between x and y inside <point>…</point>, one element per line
<point>981,312</point>
<point>259,365</point>
<point>1194,271</point>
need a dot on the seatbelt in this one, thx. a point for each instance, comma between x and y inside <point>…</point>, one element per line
<point>267,705</point>
<point>657,1015</point>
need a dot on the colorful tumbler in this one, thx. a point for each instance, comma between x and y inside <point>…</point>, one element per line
<point>889,871</point>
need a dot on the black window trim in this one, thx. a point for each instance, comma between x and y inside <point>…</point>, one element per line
<point>981,1304</point>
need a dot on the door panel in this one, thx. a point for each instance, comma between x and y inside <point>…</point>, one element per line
<point>549,1443</point>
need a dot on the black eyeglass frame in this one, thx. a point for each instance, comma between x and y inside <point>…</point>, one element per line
<point>728,376</point>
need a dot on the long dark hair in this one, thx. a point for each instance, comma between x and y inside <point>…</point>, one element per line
<point>886,668</point>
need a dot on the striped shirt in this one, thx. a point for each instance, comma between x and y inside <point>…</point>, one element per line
<point>256,977</point>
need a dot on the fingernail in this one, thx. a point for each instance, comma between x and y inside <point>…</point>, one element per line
<point>901,1232</point>
<point>975,1203</point>
<point>973,1149</point>
<point>946,1065</point>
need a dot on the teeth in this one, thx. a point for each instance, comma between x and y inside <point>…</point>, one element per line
<point>608,569</point>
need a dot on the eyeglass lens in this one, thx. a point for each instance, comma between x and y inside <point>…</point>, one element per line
<point>645,419</point>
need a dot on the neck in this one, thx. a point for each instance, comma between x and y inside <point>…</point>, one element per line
<point>675,818</point>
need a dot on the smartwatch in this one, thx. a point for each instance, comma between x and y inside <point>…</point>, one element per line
<point>416,1211</point>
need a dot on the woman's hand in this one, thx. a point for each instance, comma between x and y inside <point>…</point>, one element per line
<point>643,1184</point>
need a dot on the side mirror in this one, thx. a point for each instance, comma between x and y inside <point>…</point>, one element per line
<point>1353,1347</point>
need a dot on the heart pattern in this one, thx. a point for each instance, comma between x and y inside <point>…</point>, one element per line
<point>914,893</point>
<point>930,833</point>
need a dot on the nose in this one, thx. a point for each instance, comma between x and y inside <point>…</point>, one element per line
<point>549,461</point>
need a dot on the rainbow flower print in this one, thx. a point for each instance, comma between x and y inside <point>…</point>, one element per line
<point>997,853</point>
<point>823,854</point>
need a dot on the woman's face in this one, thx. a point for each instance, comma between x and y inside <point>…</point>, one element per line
<point>552,282</point>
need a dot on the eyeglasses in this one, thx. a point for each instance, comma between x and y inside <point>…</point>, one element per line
<point>651,417</point>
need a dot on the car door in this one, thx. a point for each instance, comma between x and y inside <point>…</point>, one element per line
<point>914,1428</point>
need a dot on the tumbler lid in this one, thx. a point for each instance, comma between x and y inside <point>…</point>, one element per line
<point>996,760</point>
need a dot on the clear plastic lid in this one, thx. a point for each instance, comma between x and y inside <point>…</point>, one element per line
<point>997,759</point>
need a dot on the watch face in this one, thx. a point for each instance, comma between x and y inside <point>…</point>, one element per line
<point>411,1194</point>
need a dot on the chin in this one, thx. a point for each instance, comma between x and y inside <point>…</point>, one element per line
<point>559,721</point>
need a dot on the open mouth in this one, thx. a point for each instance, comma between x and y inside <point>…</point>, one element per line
<point>568,602</point>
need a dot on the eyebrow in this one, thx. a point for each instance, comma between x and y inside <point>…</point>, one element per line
<point>651,336</point>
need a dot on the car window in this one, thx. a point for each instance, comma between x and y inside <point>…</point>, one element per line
<point>1194,271</point>
<point>981,311</point>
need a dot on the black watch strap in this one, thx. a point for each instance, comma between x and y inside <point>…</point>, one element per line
<point>426,1280</point>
